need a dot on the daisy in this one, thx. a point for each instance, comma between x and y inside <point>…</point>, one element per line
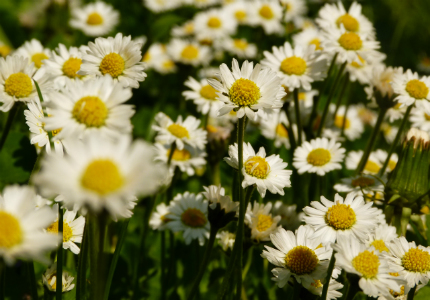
<point>420,117</point>
<point>239,47</point>
<point>290,219</point>
<point>99,173</point>
<point>361,70</point>
<point>21,230</point>
<point>366,115</point>
<point>396,112</point>
<point>268,14</point>
<point>184,30</point>
<point>389,132</point>
<point>351,217</point>
<point>409,88</point>
<point>360,185</point>
<point>380,81</point>
<point>353,126</point>
<point>309,36</point>
<point>316,288</point>
<point>294,9</point>
<point>189,214</point>
<point>95,105</point>
<point>156,58</point>
<point>382,156</point>
<point>238,10</point>
<point>120,57</point>
<point>296,255</point>
<point>382,236</point>
<point>275,128</point>
<point>214,24</point>
<point>49,278</point>
<point>216,195</point>
<point>297,67</point>
<point>261,222</point>
<point>94,19</point>
<point>267,173</point>
<point>226,240</point>
<point>203,95</point>
<point>160,217</point>
<point>158,6</point>
<point>5,50</point>
<point>189,53</point>
<point>34,52</point>
<point>318,156</point>
<point>202,3</point>
<point>249,90</point>
<point>372,166</point>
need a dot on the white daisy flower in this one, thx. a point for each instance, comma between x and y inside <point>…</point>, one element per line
<point>216,195</point>
<point>366,115</point>
<point>34,52</point>
<point>268,14</point>
<point>297,67</point>
<point>290,219</point>
<point>189,214</point>
<point>382,236</point>
<point>21,230</point>
<point>190,53</point>
<point>238,10</point>
<point>226,240</point>
<point>267,173</point>
<point>372,166</point>
<point>275,128</point>
<point>351,217</point>
<point>94,19</point>
<point>316,288</point>
<point>156,58</point>
<point>251,91</point>
<point>160,217</point>
<point>294,9</point>
<point>158,6</point>
<point>5,49</point>
<point>389,132</point>
<point>361,70</point>
<point>49,279</point>
<point>382,156</point>
<point>94,105</point>
<point>353,126</point>
<point>297,255</point>
<point>203,95</point>
<point>409,88</point>
<point>239,47</point>
<point>261,222</point>
<point>202,3</point>
<point>309,36</point>
<point>318,156</point>
<point>184,30</point>
<point>120,57</point>
<point>420,117</point>
<point>99,173</point>
<point>380,81</point>
<point>396,112</point>
<point>360,185</point>
<point>214,24</point>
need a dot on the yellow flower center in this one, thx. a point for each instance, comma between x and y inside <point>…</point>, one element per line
<point>301,260</point>
<point>358,65</point>
<point>5,50</point>
<point>293,66</point>
<point>349,22</point>
<point>379,245</point>
<point>416,260</point>
<point>180,155</point>
<point>240,44</point>
<point>10,230</point>
<point>189,28</point>
<point>18,85</point>
<point>350,41</point>
<point>91,111</point>
<point>214,22</point>
<point>146,56</point>
<point>362,182</point>
<point>244,92</point>
<point>417,89</point>
<point>71,66</point>
<point>102,176</point>
<point>392,164</point>
<point>112,64</point>
<point>338,122</point>
<point>264,222</point>
<point>281,130</point>
<point>178,131</point>
<point>372,167</point>
<point>257,166</point>
<point>208,92</point>
<point>206,42</point>
<point>67,231</point>
<point>56,131</point>
<point>340,216</point>
<point>190,52</point>
<point>37,59</point>
<point>395,294</point>
<point>94,19</point>
<point>266,12</point>
<point>240,15</point>
<point>367,263</point>
<point>193,217</point>
<point>319,157</point>
<point>317,43</point>
<point>168,64</point>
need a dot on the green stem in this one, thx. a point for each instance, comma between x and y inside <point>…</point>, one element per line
<point>248,264</point>
<point>97,262</point>
<point>81,281</point>
<point>32,277</point>
<point>10,117</point>
<point>342,92</point>
<point>216,174</point>
<point>172,150</point>
<point>328,277</point>
<point>2,279</point>
<point>163,265</point>
<point>59,286</point>
<point>342,131</point>
<point>396,140</point>
<point>291,136</point>
<point>411,293</point>
<point>204,263</point>
<point>298,117</point>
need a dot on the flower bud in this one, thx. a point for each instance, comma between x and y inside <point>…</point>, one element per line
<point>221,210</point>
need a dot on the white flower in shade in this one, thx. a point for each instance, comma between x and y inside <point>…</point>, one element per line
<point>351,217</point>
<point>35,52</point>
<point>160,217</point>
<point>189,53</point>
<point>94,105</point>
<point>202,3</point>
<point>238,10</point>
<point>372,166</point>
<point>360,185</point>
<point>181,132</point>
<point>203,95</point>
<point>318,156</point>
<point>389,132</point>
<point>275,128</point>
<point>297,67</point>
<point>366,115</point>
<point>239,47</point>
<point>94,19</point>
<point>226,240</point>
<point>368,263</point>
<point>99,173</point>
<point>361,70</point>
<point>158,6</point>
<point>186,29</point>
<point>21,226</point>
<point>261,222</point>
<point>16,81</point>
<point>251,91</point>
<point>382,156</point>
<point>420,117</point>
<point>189,214</point>
<point>380,81</point>
<point>353,128</point>
<point>120,57</point>
<point>297,255</point>
<point>290,219</point>
<point>382,236</point>
<point>316,288</point>
<point>268,14</point>
<point>5,49</point>
<point>294,9</point>
<point>309,36</point>
<point>187,160</point>
<point>396,112</point>
<point>49,279</point>
<point>156,58</point>
<point>216,195</point>
<point>411,88</point>
<point>214,24</point>
<point>267,173</point>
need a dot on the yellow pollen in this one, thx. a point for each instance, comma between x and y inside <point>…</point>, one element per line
<point>56,131</point>
<point>293,66</point>
<point>264,222</point>
<point>362,182</point>
<point>37,59</point>
<point>5,50</point>
<point>180,155</point>
<point>214,22</point>
<point>102,176</point>
<point>71,66</point>
<point>193,217</point>
<point>91,111</point>
<point>208,92</point>
<point>168,64</point>
<point>302,96</point>
<point>317,43</point>
<point>350,41</point>
<point>240,15</point>
<point>416,260</point>
<point>257,166</point>
<point>349,22</point>
<point>178,131</point>
<point>10,230</point>
<point>301,260</point>
<point>319,157</point>
<point>379,245</point>
<point>425,210</point>
<point>281,130</point>
<point>395,274</point>
<point>392,164</point>
<point>358,65</point>
<point>372,167</point>
<point>266,12</point>
<point>112,64</point>
<point>244,92</point>
<point>340,216</point>
<point>427,117</point>
<point>317,283</point>
<point>395,294</point>
<point>190,52</point>
<point>94,19</point>
<point>211,129</point>
<point>67,231</point>
<point>206,42</point>
<point>367,263</point>
<point>417,89</point>
<point>338,122</point>
<point>146,56</point>
<point>240,44</point>
<point>18,85</point>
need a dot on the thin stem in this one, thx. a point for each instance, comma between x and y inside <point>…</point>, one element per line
<point>411,293</point>
<point>328,277</point>
<point>172,150</point>
<point>97,265</point>
<point>59,286</point>
<point>248,264</point>
<point>298,118</point>
<point>2,279</point>
<point>9,122</point>
<point>342,92</point>
<point>163,265</point>
<point>290,128</point>
<point>82,266</point>
<point>216,174</point>
<point>32,277</point>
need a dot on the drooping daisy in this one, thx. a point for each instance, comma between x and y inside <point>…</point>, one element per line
<point>309,36</point>
<point>49,279</point>
<point>361,70</point>
<point>239,47</point>
<point>261,222</point>
<point>380,82</point>
<point>188,213</point>
<point>290,219</point>
<point>351,217</point>
<point>361,185</point>
<point>297,255</point>
<point>239,10</point>
<point>267,173</point>
<point>95,105</point>
<point>120,57</point>
<point>5,49</point>
<point>318,156</point>
<point>294,9</point>
<point>160,217</point>
<point>298,67</point>
<point>226,240</point>
<point>353,127</point>
<point>268,14</point>
<point>203,95</point>
<point>380,237</point>
<point>94,19</point>
<point>35,52</point>
<point>249,90</point>
<point>410,88</point>
<point>396,112</point>
<point>215,195</point>
<point>190,53</point>
<point>372,166</point>
<point>214,24</point>
<point>420,117</point>
<point>316,288</point>
<point>21,230</point>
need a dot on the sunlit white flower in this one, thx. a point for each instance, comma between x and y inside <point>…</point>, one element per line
<point>203,95</point>
<point>214,24</point>
<point>309,36</point>
<point>190,53</point>
<point>362,185</point>
<point>420,117</point>
<point>49,278</point>
<point>316,288</point>
<point>380,237</point>
<point>261,222</point>
<point>294,9</point>
<point>239,10</point>
<point>35,52</point>
<point>380,81</point>
<point>372,166</point>
<point>268,14</point>
<point>361,69</point>
<point>290,219</point>
<point>382,156</point>
<point>160,217</point>
<point>186,29</point>
<point>275,128</point>
<point>158,6</point>
<point>156,58</point>
<point>239,47</point>
<point>411,88</point>
<point>216,195</point>
<point>226,240</point>
<point>353,127</point>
